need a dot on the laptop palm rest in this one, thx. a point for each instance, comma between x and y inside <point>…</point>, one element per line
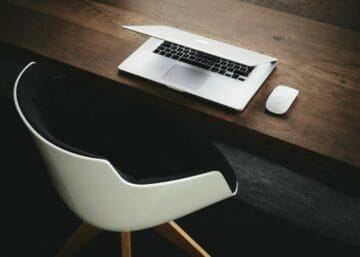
<point>186,78</point>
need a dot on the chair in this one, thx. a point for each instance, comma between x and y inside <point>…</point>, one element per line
<point>101,186</point>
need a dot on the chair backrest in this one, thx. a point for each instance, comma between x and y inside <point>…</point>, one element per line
<point>94,190</point>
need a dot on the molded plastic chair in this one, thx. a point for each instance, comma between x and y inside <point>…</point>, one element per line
<point>106,197</point>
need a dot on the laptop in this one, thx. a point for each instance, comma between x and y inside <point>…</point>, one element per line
<point>219,72</point>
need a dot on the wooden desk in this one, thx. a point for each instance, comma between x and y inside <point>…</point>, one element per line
<point>321,60</point>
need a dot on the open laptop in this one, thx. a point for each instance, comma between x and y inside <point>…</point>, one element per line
<point>210,69</point>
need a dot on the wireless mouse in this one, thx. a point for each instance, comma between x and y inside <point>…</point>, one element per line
<point>280,99</point>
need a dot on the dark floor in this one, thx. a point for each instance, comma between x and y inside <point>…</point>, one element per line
<point>36,222</point>
<point>280,210</point>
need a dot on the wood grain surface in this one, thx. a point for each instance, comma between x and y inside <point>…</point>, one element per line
<point>83,235</point>
<point>321,60</point>
<point>172,232</point>
<point>344,13</point>
<point>126,244</point>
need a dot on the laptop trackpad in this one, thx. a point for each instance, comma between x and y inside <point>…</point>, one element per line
<point>187,78</point>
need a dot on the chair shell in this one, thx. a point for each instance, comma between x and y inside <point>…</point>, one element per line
<point>98,194</point>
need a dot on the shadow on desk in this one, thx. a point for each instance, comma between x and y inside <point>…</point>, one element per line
<point>280,209</point>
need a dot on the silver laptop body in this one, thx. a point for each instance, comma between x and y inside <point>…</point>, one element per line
<point>210,69</point>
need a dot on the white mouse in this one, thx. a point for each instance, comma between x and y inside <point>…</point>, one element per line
<point>280,99</point>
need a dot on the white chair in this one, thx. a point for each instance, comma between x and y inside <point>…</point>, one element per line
<point>104,197</point>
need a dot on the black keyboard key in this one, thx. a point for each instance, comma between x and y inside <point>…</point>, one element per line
<point>194,63</point>
<point>203,60</point>
<point>202,55</point>
<point>216,60</point>
<point>242,73</point>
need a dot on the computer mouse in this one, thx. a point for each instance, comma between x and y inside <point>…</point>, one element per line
<point>280,99</point>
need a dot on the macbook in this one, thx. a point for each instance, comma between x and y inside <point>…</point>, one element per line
<point>219,72</point>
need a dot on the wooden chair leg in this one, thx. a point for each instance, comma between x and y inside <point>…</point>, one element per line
<point>175,234</point>
<point>84,234</point>
<point>125,244</point>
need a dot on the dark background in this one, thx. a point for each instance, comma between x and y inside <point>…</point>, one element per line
<point>283,207</point>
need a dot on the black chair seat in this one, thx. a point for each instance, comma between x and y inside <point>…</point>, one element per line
<point>99,122</point>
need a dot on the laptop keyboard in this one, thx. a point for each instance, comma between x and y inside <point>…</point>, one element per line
<point>203,60</point>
